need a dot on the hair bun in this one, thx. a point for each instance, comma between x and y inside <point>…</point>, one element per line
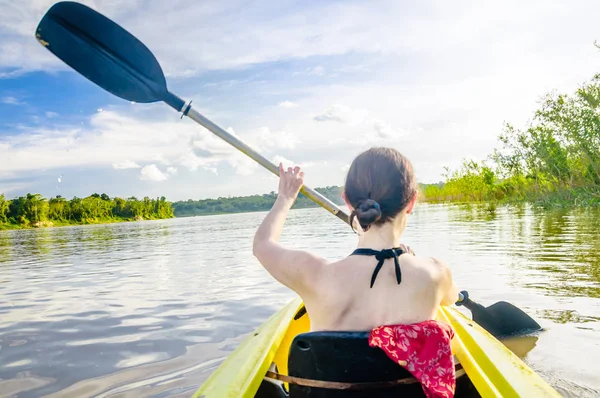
<point>368,212</point>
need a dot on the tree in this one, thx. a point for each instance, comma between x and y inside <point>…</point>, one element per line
<point>58,209</point>
<point>32,209</point>
<point>4,209</point>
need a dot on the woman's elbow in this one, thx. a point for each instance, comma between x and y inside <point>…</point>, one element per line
<point>256,247</point>
<point>259,247</point>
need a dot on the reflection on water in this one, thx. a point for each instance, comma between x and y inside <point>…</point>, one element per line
<point>521,345</point>
<point>568,316</point>
<point>151,308</point>
<point>562,245</point>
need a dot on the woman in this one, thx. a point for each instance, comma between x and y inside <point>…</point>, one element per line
<point>379,285</point>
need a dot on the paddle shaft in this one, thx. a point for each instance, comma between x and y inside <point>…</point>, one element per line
<point>242,147</point>
<point>463,299</point>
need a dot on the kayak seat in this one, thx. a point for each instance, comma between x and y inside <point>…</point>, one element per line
<point>271,389</point>
<point>346,357</point>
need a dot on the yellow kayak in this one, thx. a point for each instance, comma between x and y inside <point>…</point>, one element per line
<point>258,365</point>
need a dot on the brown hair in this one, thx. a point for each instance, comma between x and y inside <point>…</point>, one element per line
<point>379,184</point>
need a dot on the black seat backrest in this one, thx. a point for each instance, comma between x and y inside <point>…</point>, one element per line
<point>345,357</point>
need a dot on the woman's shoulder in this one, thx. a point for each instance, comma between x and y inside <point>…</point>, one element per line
<point>433,266</point>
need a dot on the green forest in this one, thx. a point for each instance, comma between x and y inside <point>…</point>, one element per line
<point>554,161</point>
<point>242,204</point>
<point>33,210</point>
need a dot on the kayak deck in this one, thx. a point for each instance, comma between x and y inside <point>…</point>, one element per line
<point>491,367</point>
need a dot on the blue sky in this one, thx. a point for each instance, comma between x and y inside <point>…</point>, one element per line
<point>307,82</point>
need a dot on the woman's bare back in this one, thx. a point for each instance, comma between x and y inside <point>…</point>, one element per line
<point>342,298</point>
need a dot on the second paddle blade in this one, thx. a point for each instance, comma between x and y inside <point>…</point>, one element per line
<point>104,52</point>
<point>504,319</point>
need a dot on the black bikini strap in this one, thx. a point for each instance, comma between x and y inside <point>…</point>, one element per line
<point>381,256</point>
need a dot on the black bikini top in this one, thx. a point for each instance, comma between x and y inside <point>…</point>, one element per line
<point>381,256</point>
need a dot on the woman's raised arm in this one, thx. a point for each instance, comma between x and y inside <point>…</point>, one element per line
<point>296,269</point>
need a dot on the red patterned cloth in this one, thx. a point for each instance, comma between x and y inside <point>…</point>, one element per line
<point>424,350</point>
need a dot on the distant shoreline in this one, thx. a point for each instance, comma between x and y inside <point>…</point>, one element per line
<point>249,204</point>
<point>14,227</point>
<point>246,211</point>
<point>35,211</point>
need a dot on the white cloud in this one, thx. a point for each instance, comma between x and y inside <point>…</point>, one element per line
<point>384,131</point>
<point>114,140</point>
<point>207,151</point>
<point>276,139</point>
<point>50,114</point>
<point>287,104</point>
<point>127,164</point>
<point>161,158</point>
<point>290,163</point>
<point>342,114</point>
<point>286,162</point>
<point>152,173</point>
<point>10,100</point>
<point>171,170</point>
<point>212,170</point>
<point>189,160</point>
<point>368,130</point>
<point>243,165</point>
<point>12,74</point>
<point>317,70</point>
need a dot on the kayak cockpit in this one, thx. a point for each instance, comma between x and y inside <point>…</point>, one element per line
<point>339,364</point>
<point>489,368</point>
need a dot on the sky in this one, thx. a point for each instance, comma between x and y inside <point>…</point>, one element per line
<point>309,83</point>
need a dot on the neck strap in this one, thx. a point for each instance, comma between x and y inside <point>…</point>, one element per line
<point>381,256</point>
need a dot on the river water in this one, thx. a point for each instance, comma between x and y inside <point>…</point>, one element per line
<point>151,308</point>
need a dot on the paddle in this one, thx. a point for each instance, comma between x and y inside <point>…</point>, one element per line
<point>115,60</point>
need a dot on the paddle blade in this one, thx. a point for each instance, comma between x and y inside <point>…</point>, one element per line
<point>105,53</point>
<point>504,319</point>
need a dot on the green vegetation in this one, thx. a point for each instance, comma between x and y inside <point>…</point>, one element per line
<point>555,161</point>
<point>34,210</point>
<point>242,204</point>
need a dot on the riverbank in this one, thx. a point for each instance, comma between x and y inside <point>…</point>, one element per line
<point>59,223</point>
<point>35,211</point>
<point>563,198</point>
<point>552,162</point>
